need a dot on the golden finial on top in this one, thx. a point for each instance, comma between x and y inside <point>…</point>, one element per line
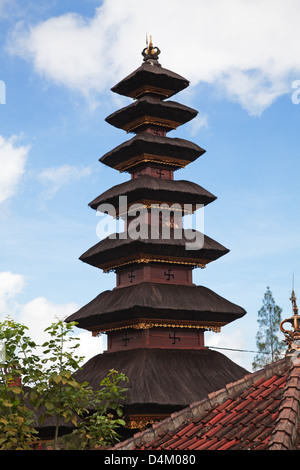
<point>150,53</point>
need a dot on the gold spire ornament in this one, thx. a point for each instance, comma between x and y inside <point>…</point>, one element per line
<point>293,299</point>
<point>292,337</point>
<point>150,53</point>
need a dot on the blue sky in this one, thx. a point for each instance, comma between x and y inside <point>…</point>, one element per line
<point>59,60</point>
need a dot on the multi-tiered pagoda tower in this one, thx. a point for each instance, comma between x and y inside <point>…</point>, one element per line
<point>155,317</point>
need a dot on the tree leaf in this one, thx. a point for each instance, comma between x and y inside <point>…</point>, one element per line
<point>49,406</point>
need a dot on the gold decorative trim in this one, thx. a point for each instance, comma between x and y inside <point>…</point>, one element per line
<point>151,89</point>
<point>149,158</point>
<point>150,205</point>
<point>146,325</point>
<point>140,422</point>
<point>144,259</point>
<point>152,121</point>
<point>162,206</point>
<point>292,337</point>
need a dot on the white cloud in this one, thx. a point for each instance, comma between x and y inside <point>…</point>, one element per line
<point>200,122</point>
<point>3,4</point>
<point>248,50</point>
<point>10,286</point>
<point>39,313</point>
<point>56,177</point>
<point>12,162</point>
<point>253,89</point>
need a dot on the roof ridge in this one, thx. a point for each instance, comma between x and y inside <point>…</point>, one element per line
<point>285,432</point>
<point>197,408</point>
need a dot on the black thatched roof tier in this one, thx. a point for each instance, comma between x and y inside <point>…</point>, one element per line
<point>147,301</point>
<point>145,147</point>
<point>151,79</point>
<point>148,111</point>
<point>148,189</point>
<point>122,249</point>
<point>164,377</point>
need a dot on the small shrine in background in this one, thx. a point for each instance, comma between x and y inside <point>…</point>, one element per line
<point>155,317</point>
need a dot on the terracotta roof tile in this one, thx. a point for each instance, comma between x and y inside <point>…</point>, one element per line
<point>196,430</point>
<point>216,418</point>
<point>255,393</point>
<point>256,446</point>
<point>280,382</point>
<point>188,442</point>
<point>226,405</point>
<point>186,430</point>
<point>267,383</point>
<point>205,443</point>
<point>268,391</point>
<point>261,411</point>
<point>227,444</point>
<point>247,403</point>
<point>233,431</point>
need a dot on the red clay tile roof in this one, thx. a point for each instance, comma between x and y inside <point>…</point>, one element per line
<point>261,411</point>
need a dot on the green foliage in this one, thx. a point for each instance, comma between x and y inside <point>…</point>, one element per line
<point>55,389</point>
<point>99,427</point>
<point>16,418</point>
<point>48,385</point>
<point>267,342</point>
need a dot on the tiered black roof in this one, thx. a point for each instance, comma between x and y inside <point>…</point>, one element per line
<point>162,380</point>
<point>151,301</point>
<point>123,249</point>
<point>145,147</point>
<point>151,79</point>
<point>166,115</point>
<point>156,190</point>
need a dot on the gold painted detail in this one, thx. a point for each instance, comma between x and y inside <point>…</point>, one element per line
<point>151,89</point>
<point>292,337</point>
<point>148,157</point>
<point>147,259</point>
<point>150,120</point>
<point>140,422</point>
<point>150,53</point>
<point>165,206</point>
<point>169,206</point>
<point>146,325</point>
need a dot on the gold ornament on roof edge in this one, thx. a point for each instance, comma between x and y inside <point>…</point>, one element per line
<point>292,336</point>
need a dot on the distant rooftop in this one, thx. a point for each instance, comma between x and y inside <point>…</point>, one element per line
<point>261,411</point>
